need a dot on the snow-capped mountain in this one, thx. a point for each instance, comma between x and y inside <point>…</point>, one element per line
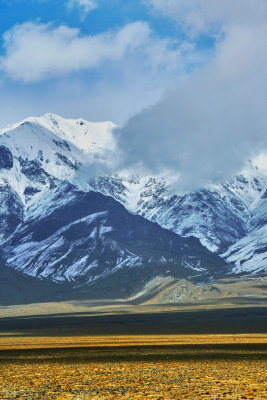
<point>54,227</point>
<point>89,236</point>
<point>36,151</point>
<point>249,254</point>
<point>219,215</point>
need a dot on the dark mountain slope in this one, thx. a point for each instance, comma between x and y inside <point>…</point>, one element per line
<point>80,238</point>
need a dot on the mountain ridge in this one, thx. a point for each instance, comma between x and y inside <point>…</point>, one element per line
<point>40,169</point>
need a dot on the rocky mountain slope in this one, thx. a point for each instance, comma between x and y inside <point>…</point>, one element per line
<point>250,252</point>
<point>229,218</point>
<point>89,236</point>
<point>19,288</point>
<point>54,227</point>
<point>55,230</point>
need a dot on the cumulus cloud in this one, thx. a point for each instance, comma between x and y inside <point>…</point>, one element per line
<point>113,75</point>
<point>207,127</point>
<point>37,51</point>
<point>85,6</point>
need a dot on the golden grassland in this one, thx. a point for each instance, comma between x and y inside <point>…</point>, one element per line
<point>92,308</point>
<point>133,367</point>
<point>13,342</point>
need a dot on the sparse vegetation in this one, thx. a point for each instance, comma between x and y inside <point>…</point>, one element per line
<point>134,367</point>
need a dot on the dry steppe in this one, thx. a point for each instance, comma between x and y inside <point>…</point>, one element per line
<point>182,341</point>
<point>134,367</point>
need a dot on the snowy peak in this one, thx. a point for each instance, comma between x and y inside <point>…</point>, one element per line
<point>94,137</point>
<point>39,150</point>
<point>87,136</point>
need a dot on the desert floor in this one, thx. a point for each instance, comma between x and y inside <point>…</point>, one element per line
<point>208,353</point>
<point>134,367</point>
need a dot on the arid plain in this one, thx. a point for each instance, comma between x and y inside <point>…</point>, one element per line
<point>134,367</point>
<point>204,349</point>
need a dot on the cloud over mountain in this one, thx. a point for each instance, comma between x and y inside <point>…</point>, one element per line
<point>209,125</point>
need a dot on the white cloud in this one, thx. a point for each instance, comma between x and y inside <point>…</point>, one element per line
<point>85,6</point>
<point>37,51</point>
<point>113,75</point>
<point>207,127</point>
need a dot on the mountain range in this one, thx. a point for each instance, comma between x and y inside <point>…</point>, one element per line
<point>66,224</point>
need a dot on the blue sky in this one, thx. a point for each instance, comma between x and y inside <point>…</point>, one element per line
<point>107,15</point>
